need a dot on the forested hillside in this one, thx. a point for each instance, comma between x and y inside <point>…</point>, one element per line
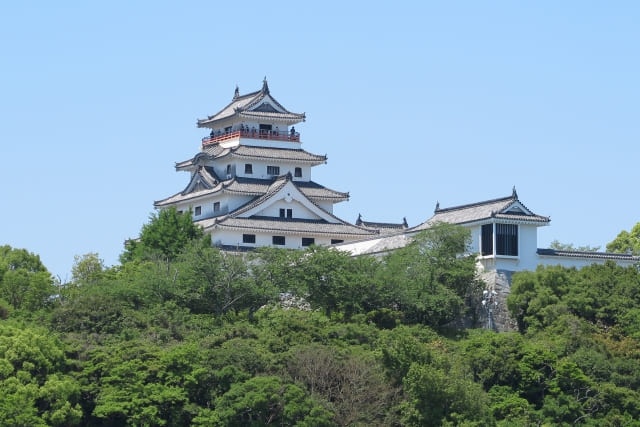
<point>182,334</point>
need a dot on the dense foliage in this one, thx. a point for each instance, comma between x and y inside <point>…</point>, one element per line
<point>194,336</point>
<point>626,241</point>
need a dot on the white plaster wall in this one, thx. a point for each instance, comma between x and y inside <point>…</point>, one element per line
<point>231,238</point>
<point>299,210</point>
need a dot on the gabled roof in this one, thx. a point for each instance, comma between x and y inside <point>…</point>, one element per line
<point>250,187</point>
<point>248,152</point>
<point>246,216</point>
<point>506,209</point>
<point>203,182</point>
<point>259,105</point>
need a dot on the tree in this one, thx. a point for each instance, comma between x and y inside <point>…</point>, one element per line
<point>25,283</point>
<point>164,237</point>
<point>87,269</point>
<point>626,242</point>
<point>570,247</point>
<point>430,279</point>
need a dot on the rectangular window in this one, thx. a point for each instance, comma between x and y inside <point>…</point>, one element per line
<point>265,129</point>
<point>198,210</point>
<point>278,240</point>
<point>227,129</point>
<point>179,212</point>
<point>228,169</point>
<point>289,213</point>
<point>487,239</point>
<point>298,173</point>
<point>308,241</point>
<point>248,238</point>
<point>273,170</point>
<point>507,239</point>
<point>281,213</point>
<point>216,207</point>
<point>248,168</point>
<point>336,241</point>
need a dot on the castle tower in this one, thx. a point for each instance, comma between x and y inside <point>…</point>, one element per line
<point>251,184</point>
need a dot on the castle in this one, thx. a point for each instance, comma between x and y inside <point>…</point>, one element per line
<point>250,185</point>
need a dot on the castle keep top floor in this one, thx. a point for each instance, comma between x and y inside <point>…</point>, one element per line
<point>253,119</point>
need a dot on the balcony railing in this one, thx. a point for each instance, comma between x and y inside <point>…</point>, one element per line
<point>254,134</point>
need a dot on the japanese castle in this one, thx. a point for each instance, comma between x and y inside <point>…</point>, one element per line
<point>250,184</point>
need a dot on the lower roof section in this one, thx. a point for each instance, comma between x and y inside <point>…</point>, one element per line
<point>287,226</point>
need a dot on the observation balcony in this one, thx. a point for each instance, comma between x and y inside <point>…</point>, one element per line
<point>252,134</point>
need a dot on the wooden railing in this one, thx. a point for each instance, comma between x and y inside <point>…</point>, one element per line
<point>254,134</point>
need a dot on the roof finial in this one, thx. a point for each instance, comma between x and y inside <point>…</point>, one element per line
<point>404,222</point>
<point>514,195</point>
<point>265,86</point>
<point>236,93</point>
<point>359,220</point>
<point>437,207</point>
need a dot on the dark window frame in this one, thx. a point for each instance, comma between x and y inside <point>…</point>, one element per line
<point>197,211</point>
<point>216,206</point>
<point>273,170</point>
<point>278,240</point>
<point>297,172</point>
<point>248,238</point>
<point>248,168</point>
<point>308,241</point>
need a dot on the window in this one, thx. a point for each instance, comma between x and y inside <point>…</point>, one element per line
<point>248,168</point>
<point>265,129</point>
<point>289,213</point>
<point>227,129</point>
<point>278,240</point>
<point>336,241</point>
<point>487,239</point>
<point>248,238</point>
<point>228,169</point>
<point>281,213</point>
<point>216,207</point>
<point>273,170</point>
<point>179,212</point>
<point>507,239</point>
<point>308,241</point>
<point>198,210</point>
<point>298,173</point>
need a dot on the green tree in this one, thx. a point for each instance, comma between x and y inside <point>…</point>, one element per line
<point>265,400</point>
<point>570,247</point>
<point>25,283</point>
<point>87,269</point>
<point>626,241</point>
<point>430,279</point>
<point>163,237</point>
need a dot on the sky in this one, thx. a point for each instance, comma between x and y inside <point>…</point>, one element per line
<point>414,102</point>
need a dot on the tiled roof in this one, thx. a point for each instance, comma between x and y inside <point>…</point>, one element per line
<point>376,245</point>
<point>256,187</point>
<point>285,226</point>
<point>383,227</point>
<point>480,211</point>
<point>250,106</point>
<point>215,151</point>
<point>590,255</point>
<point>203,182</point>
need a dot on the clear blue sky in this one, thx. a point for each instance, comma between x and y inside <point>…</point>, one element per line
<point>413,102</point>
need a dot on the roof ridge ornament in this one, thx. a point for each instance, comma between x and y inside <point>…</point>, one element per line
<point>404,222</point>
<point>236,94</point>
<point>514,195</point>
<point>265,86</point>
<point>437,207</point>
